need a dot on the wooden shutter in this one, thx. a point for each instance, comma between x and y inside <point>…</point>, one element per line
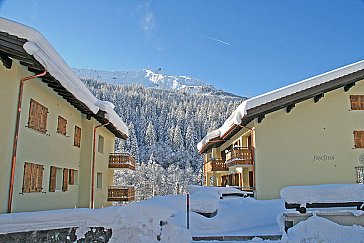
<point>65,180</point>
<point>38,179</point>
<point>357,102</point>
<point>37,116</point>
<point>62,126</point>
<point>53,179</point>
<point>27,177</point>
<point>71,176</point>
<point>32,178</point>
<point>77,137</point>
<point>359,139</point>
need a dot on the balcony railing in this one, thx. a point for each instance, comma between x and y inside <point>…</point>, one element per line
<point>121,193</point>
<point>239,156</point>
<point>215,165</point>
<point>121,161</point>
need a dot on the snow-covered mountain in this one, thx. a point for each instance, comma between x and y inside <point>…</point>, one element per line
<point>151,79</point>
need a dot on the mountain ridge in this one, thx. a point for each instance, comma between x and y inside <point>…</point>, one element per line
<point>152,79</point>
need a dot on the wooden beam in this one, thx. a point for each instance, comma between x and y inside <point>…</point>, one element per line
<point>349,86</point>
<point>260,118</point>
<point>318,97</point>
<point>7,62</point>
<point>290,107</point>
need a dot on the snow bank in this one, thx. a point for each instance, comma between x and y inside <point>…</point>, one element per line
<point>46,55</point>
<point>327,193</point>
<point>236,117</point>
<point>318,229</point>
<point>205,199</point>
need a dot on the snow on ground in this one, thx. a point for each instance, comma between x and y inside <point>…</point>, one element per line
<point>318,229</point>
<point>140,222</point>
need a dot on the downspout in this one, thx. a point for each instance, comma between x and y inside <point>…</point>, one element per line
<point>93,166</point>
<point>16,136</point>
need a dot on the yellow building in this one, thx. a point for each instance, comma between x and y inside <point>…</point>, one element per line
<point>55,136</point>
<point>310,132</point>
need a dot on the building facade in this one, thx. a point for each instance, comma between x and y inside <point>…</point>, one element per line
<point>56,138</point>
<point>308,133</point>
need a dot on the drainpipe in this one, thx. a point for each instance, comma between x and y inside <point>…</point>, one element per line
<point>16,136</point>
<point>93,166</point>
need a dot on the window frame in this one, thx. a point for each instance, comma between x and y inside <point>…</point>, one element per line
<point>358,139</point>
<point>101,144</point>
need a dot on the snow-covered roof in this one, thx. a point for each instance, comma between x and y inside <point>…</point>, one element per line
<point>47,56</point>
<point>236,117</point>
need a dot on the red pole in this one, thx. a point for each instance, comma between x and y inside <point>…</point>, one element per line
<point>188,211</point>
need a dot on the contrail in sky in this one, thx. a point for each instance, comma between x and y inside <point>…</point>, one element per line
<point>212,38</point>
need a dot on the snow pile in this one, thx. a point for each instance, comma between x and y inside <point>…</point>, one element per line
<point>46,55</point>
<point>327,193</point>
<point>205,199</point>
<point>236,117</point>
<point>318,229</point>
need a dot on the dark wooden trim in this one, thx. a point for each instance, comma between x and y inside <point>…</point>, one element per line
<point>290,107</point>
<point>7,62</point>
<point>318,97</point>
<point>349,86</point>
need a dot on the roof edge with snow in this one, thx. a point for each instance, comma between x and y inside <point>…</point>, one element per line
<point>43,52</point>
<point>294,93</point>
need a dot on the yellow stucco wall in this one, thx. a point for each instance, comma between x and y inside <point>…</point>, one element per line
<point>50,149</point>
<point>286,144</point>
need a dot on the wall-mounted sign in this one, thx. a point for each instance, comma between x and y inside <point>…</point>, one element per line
<point>361,159</point>
<point>324,157</point>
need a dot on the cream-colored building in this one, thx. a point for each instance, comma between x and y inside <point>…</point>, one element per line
<point>56,138</point>
<point>311,132</point>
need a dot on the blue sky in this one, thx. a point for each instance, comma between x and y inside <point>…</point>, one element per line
<point>244,47</point>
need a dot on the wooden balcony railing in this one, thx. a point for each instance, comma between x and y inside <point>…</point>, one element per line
<point>121,193</point>
<point>215,165</point>
<point>239,156</point>
<point>121,161</point>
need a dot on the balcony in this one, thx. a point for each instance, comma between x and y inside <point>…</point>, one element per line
<point>121,194</point>
<point>240,156</point>
<point>215,165</point>
<point>121,161</point>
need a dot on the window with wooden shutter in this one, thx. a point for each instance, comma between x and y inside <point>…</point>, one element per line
<point>359,139</point>
<point>65,180</point>
<point>357,102</point>
<point>32,178</point>
<point>62,126</point>
<point>53,179</point>
<point>71,177</point>
<point>77,137</point>
<point>37,116</point>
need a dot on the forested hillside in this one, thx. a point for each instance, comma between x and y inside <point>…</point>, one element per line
<point>165,127</point>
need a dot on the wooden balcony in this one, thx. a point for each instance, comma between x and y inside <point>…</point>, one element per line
<point>121,161</point>
<point>215,165</point>
<point>240,156</point>
<point>121,194</point>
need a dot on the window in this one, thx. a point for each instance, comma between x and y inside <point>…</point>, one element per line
<point>360,174</point>
<point>99,180</point>
<point>37,116</point>
<point>77,137</point>
<point>62,126</point>
<point>56,179</point>
<point>357,102</point>
<point>100,147</point>
<point>32,178</point>
<point>359,139</point>
<point>73,177</point>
